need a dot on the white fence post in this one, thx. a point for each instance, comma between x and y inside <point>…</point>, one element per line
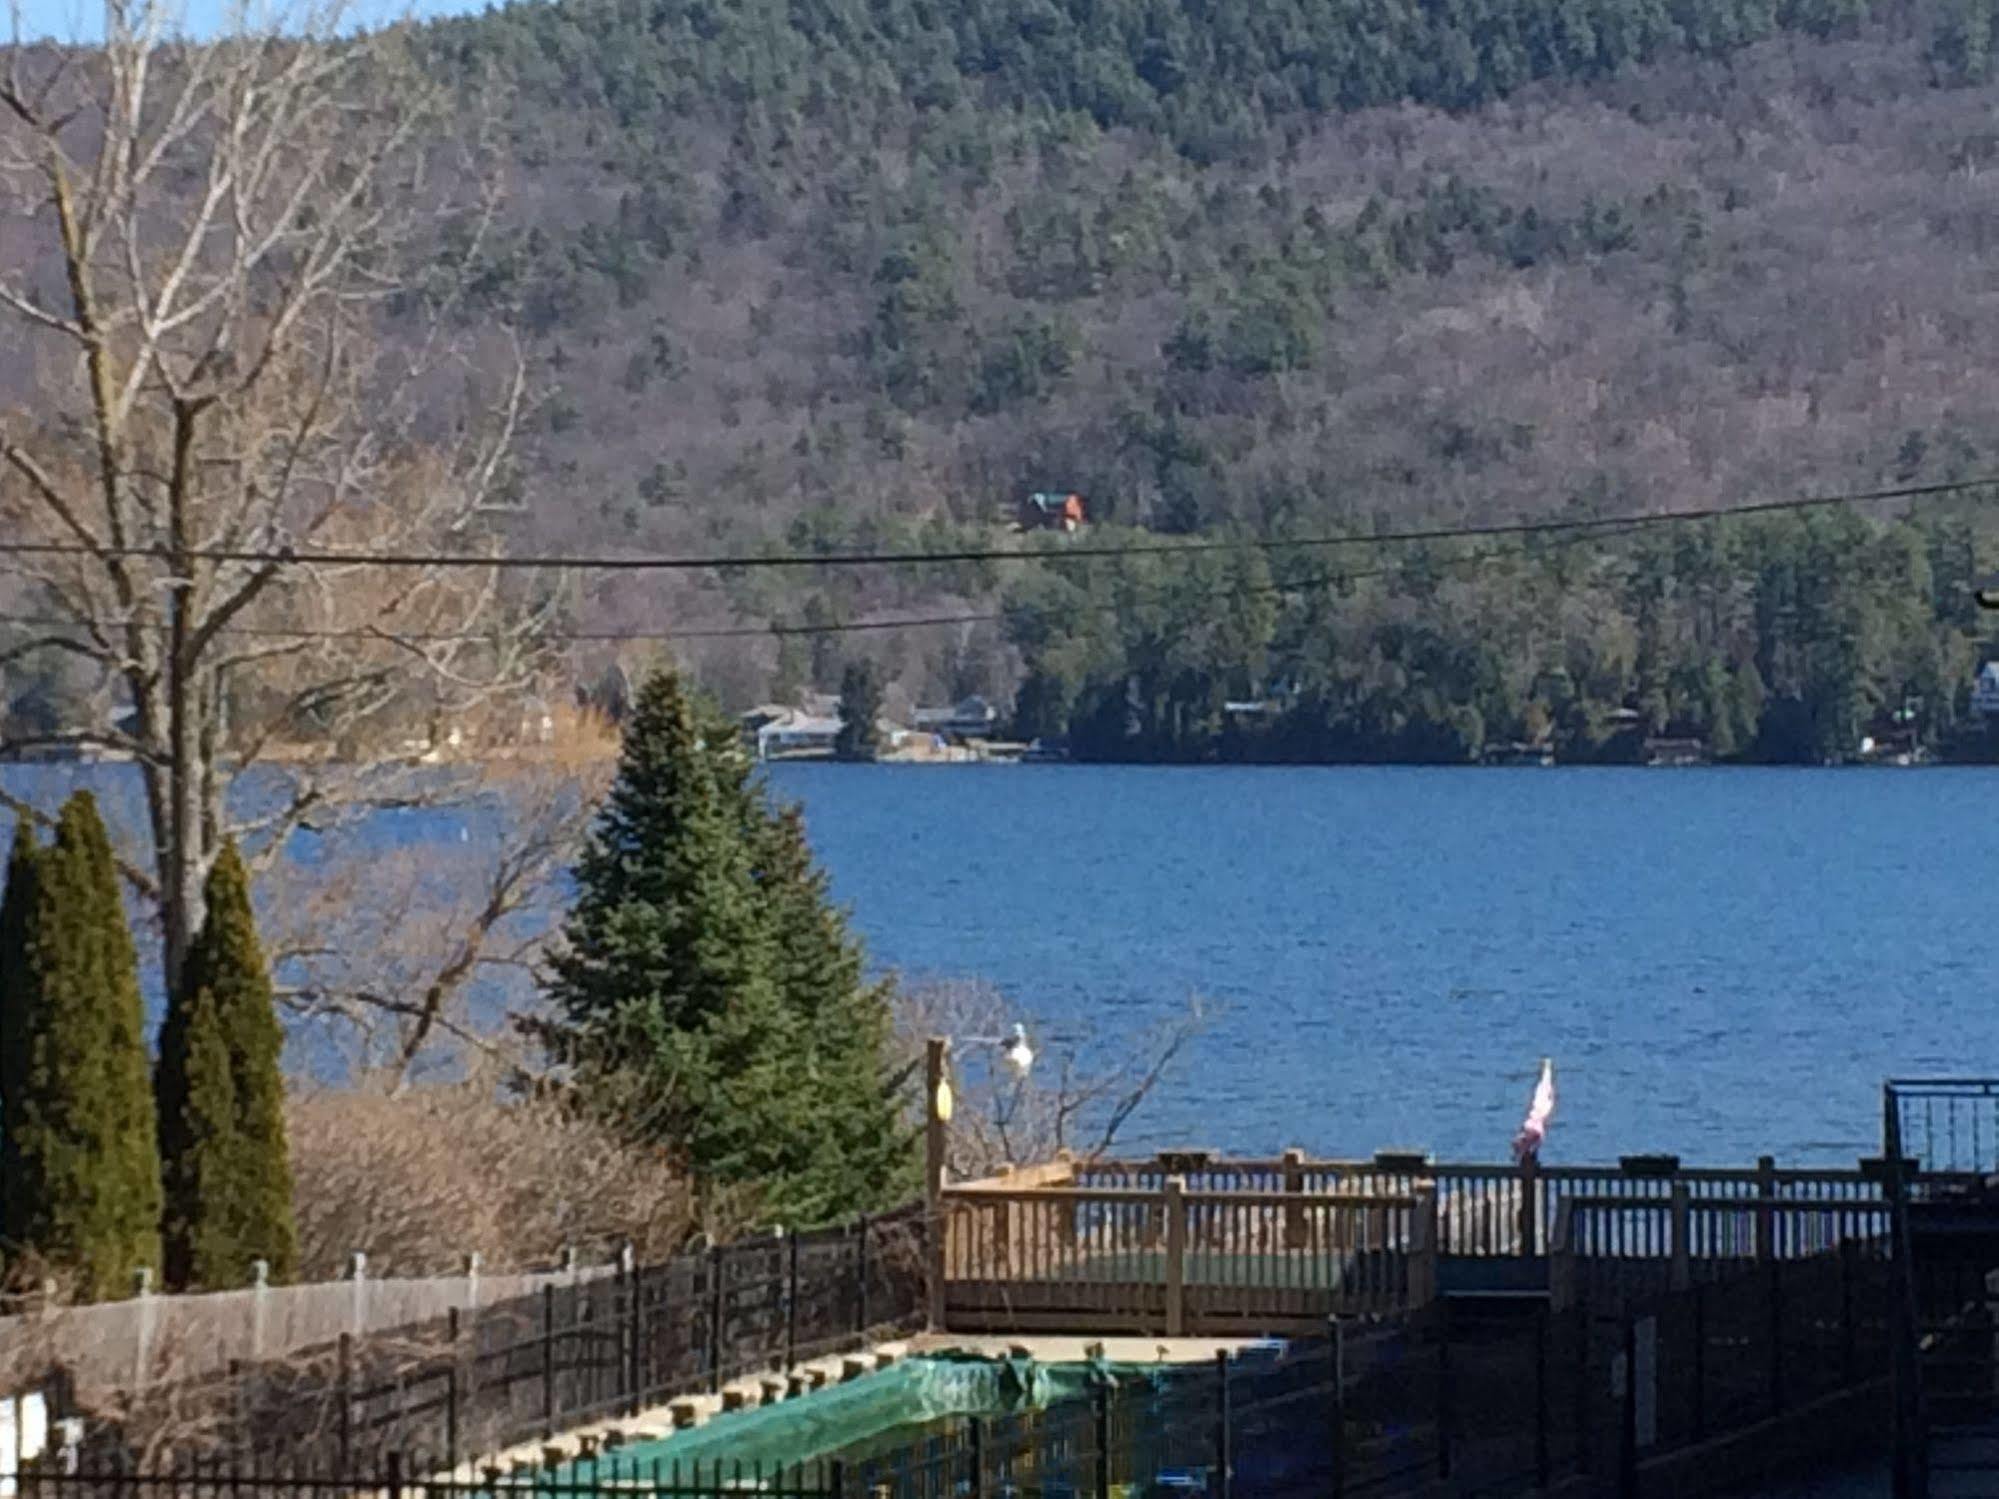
<point>260,1295</point>
<point>142,1342</point>
<point>357,1271</point>
<point>472,1264</point>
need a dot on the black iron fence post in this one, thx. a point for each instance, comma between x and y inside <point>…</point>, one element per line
<point>1100,1403</point>
<point>1224,1428</point>
<point>393,1485</point>
<point>1848,1254</point>
<point>1585,1457</point>
<point>1544,1468</point>
<point>1911,1463</point>
<point>1775,1295</point>
<point>1339,1345</point>
<point>1627,1463</point>
<point>346,1397</point>
<point>634,1336</point>
<point>1446,1416</point>
<point>1700,1363</point>
<point>716,1308</point>
<point>548,1361</point>
<point>451,1394</point>
<point>861,1280</point>
<point>791,1306</point>
<point>975,1447</point>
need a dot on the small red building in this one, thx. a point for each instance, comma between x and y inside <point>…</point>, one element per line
<point>1052,512</point>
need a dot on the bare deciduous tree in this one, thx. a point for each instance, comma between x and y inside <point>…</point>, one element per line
<point>1064,1102</point>
<point>412,960</point>
<point>219,235</point>
<point>418,1177</point>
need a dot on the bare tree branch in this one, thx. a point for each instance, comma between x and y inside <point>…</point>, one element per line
<point>226,221</point>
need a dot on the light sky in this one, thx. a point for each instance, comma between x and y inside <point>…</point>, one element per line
<point>82,20</point>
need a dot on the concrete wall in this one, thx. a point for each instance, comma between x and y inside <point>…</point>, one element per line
<point>123,1344</point>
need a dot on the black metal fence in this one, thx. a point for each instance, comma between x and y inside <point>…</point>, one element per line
<point>527,1368</point>
<point>393,1478</point>
<point>1948,1126</point>
<point>1494,1405</point>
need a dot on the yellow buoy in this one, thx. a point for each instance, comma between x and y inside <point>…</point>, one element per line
<point>944,1099</point>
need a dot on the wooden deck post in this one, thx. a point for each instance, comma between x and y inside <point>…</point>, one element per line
<point>1065,1213</point>
<point>1422,1248</point>
<point>1297,1230</point>
<point>1562,1258</point>
<point>1176,1256</point>
<point>1766,1207</point>
<point>933,1172</point>
<point>1682,1246</point>
<point>1528,1227</point>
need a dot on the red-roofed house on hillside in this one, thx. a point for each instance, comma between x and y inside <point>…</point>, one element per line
<point>1052,512</point>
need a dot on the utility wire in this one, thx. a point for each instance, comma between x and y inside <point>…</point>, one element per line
<point>735,632</point>
<point>292,557</point>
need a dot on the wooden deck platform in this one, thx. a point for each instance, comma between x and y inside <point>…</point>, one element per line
<point>1184,1245</point>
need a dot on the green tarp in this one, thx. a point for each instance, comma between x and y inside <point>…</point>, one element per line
<point>848,1418</point>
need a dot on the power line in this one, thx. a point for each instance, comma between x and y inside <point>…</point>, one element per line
<point>733,632</point>
<point>293,557</point>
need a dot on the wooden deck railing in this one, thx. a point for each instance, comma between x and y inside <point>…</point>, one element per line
<point>1178,1262</point>
<point>1486,1210</point>
<point>1186,1244</point>
<point>1678,1233</point>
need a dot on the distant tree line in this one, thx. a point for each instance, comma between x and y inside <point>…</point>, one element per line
<point>1207,78</point>
<point>1784,640</point>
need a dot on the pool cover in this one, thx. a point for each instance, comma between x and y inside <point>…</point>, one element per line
<point>847,1416</point>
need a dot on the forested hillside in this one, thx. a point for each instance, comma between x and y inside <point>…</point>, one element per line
<point>853,273</point>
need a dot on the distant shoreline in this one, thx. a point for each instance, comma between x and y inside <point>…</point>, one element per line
<point>519,759</point>
<point>1105,764</point>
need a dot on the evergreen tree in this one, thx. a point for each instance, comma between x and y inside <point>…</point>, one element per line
<point>225,1166</point>
<point>84,1177</point>
<point>860,706</point>
<point>864,1158</point>
<point>681,998</point>
<point>15,1003</point>
<point>663,997</point>
<point>666,929</point>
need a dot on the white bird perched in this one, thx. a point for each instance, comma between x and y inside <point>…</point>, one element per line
<point>1019,1055</point>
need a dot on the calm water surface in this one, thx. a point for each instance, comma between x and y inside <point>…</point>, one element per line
<point>1720,962</point>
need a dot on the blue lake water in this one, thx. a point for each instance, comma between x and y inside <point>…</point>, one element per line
<point>1721,963</point>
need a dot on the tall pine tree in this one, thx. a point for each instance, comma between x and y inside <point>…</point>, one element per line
<point>84,1177</point>
<point>679,997</point>
<point>16,977</point>
<point>225,1164</point>
<point>662,993</point>
<point>865,1157</point>
<point>666,932</point>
